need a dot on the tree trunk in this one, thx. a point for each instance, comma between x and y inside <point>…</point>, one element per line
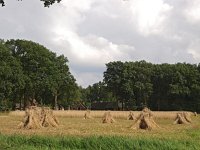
<point>14,103</point>
<point>56,101</point>
<point>122,105</point>
<point>20,100</point>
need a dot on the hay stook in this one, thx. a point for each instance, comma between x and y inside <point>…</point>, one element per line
<point>131,116</point>
<point>145,121</point>
<point>48,118</point>
<point>108,118</point>
<point>38,117</point>
<point>31,119</point>
<point>183,118</point>
<point>87,115</point>
<point>195,114</point>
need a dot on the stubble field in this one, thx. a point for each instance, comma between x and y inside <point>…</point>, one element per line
<point>74,132</point>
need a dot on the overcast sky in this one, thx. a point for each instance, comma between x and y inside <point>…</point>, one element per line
<point>91,33</point>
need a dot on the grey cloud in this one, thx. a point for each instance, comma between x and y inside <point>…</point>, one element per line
<point>99,28</point>
<point>155,48</point>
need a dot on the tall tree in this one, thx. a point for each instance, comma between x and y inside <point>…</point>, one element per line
<point>113,77</point>
<point>11,76</point>
<point>60,80</point>
<point>44,72</point>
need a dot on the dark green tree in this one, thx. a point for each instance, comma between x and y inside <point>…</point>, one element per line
<point>61,82</point>
<point>46,75</point>
<point>11,77</point>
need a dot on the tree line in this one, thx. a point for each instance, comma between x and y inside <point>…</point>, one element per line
<point>29,71</point>
<point>158,86</point>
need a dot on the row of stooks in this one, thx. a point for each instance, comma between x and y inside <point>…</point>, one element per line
<point>37,117</point>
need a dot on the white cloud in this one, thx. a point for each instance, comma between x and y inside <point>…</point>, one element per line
<point>94,32</point>
<point>149,15</point>
<point>194,49</point>
<point>90,49</point>
<point>69,14</point>
<point>87,78</point>
<point>93,50</point>
<point>192,12</point>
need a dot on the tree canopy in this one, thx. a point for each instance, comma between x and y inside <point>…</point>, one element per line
<point>30,71</point>
<point>159,86</point>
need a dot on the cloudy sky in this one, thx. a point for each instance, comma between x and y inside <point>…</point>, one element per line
<point>92,33</point>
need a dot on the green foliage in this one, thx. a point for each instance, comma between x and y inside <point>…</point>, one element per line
<point>129,81</point>
<point>11,76</point>
<point>174,86</point>
<point>96,92</point>
<point>47,3</point>
<point>159,86</point>
<point>95,142</point>
<point>31,71</point>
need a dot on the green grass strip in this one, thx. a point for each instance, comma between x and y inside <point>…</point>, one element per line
<point>18,142</point>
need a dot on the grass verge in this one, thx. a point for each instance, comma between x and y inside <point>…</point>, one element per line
<point>18,142</point>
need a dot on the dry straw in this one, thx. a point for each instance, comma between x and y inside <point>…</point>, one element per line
<point>38,117</point>
<point>183,118</point>
<point>108,118</point>
<point>87,115</point>
<point>145,121</point>
<point>131,116</point>
<point>99,114</point>
<point>195,114</point>
<point>48,118</point>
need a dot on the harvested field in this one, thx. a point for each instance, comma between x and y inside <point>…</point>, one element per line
<point>75,124</point>
<point>78,131</point>
<point>99,114</point>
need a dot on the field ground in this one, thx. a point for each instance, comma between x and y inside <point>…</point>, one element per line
<point>78,133</point>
